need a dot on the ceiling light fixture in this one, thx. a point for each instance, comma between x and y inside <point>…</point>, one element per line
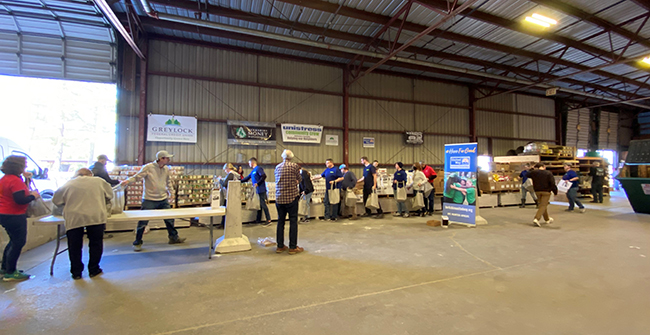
<point>541,20</point>
<point>646,60</point>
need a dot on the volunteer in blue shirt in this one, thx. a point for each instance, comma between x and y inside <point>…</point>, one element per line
<point>258,178</point>
<point>572,194</point>
<point>399,181</point>
<point>369,180</point>
<point>331,174</point>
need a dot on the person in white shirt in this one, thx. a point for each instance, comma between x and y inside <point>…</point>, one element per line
<point>84,201</point>
<point>156,180</point>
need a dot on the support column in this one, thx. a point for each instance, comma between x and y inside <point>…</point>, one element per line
<point>346,116</point>
<point>561,117</point>
<point>142,115</point>
<point>472,115</point>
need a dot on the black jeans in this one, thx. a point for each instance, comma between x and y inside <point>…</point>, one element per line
<point>95,246</point>
<point>366,194</point>
<point>428,201</point>
<point>16,227</point>
<point>169,223</point>
<point>292,210</point>
<point>597,192</point>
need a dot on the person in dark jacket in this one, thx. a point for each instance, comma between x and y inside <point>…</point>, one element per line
<point>99,170</point>
<point>348,182</point>
<point>306,190</point>
<point>544,184</point>
<point>598,176</point>
<point>399,181</point>
<point>524,177</point>
<point>258,178</point>
<point>15,196</point>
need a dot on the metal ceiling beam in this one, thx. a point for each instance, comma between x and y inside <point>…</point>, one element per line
<point>520,28</point>
<point>382,19</point>
<point>286,24</point>
<point>110,16</point>
<point>591,18</point>
<point>393,61</point>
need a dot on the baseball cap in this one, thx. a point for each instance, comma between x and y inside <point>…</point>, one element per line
<point>163,154</point>
<point>100,157</point>
<point>342,166</point>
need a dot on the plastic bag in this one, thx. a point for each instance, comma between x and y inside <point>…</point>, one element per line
<point>117,203</point>
<point>38,208</point>
<point>427,189</point>
<point>253,202</point>
<point>418,201</point>
<point>373,201</point>
<point>401,193</point>
<point>528,185</point>
<point>350,198</point>
<point>334,195</point>
<point>302,207</point>
<point>266,241</point>
<point>563,186</point>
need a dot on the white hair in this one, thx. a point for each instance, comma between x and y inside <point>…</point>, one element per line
<point>287,155</point>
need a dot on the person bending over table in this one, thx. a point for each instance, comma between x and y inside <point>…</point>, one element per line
<point>84,208</point>
<point>156,181</point>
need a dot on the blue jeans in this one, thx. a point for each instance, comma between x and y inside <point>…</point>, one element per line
<point>169,223</point>
<point>401,205</point>
<point>572,195</point>
<point>16,227</point>
<point>263,207</point>
<point>429,201</point>
<point>331,210</point>
<point>308,198</point>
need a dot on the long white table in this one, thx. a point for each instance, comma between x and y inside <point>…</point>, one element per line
<point>138,215</point>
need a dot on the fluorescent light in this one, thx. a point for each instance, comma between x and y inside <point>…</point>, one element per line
<point>538,22</point>
<point>646,60</point>
<point>544,18</point>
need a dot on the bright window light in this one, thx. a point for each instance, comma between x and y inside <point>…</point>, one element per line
<point>544,19</point>
<point>537,22</point>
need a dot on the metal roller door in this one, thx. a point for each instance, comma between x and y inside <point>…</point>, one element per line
<point>59,40</point>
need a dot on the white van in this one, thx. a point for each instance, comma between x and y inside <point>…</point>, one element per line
<point>43,183</point>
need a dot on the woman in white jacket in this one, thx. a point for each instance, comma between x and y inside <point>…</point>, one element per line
<point>418,184</point>
<point>84,201</point>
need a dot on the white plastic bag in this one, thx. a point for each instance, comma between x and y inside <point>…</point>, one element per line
<point>266,241</point>
<point>528,185</point>
<point>418,201</point>
<point>401,193</point>
<point>373,200</point>
<point>253,202</point>
<point>334,195</point>
<point>563,186</point>
<point>117,203</point>
<point>350,198</point>
<point>302,207</point>
<point>427,189</point>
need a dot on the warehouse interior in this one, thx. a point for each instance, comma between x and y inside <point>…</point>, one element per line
<point>499,73</point>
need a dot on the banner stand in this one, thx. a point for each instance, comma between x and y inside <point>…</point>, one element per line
<point>460,186</point>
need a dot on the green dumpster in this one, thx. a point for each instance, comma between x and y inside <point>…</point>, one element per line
<point>638,193</point>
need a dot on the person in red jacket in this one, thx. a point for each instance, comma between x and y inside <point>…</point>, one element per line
<point>430,173</point>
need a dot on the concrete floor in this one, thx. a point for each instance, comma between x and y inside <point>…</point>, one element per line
<point>586,274</point>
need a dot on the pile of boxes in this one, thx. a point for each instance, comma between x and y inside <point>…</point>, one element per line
<point>193,190</point>
<point>133,192</point>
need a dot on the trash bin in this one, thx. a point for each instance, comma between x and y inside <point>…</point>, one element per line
<point>638,193</point>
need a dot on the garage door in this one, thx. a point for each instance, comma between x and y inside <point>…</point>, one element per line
<point>56,39</point>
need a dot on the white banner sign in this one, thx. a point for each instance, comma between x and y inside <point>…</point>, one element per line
<point>368,142</point>
<point>301,133</point>
<point>332,140</point>
<point>169,128</point>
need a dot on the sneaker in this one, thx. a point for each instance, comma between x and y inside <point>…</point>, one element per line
<point>365,215</point>
<point>16,276</point>
<point>280,250</point>
<point>550,220</point>
<point>97,273</point>
<point>296,250</point>
<point>429,213</point>
<point>76,277</point>
<point>406,215</point>
<point>137,247</point>
<point>582,210</point>
<point>536,222</point>
<point>176,240</point>
<point>268,223</point>
<point>397,214</point>
<point>422,215</point>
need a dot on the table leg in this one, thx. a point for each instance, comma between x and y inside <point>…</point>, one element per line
<point>211,247</point>
<point>56,250</point>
